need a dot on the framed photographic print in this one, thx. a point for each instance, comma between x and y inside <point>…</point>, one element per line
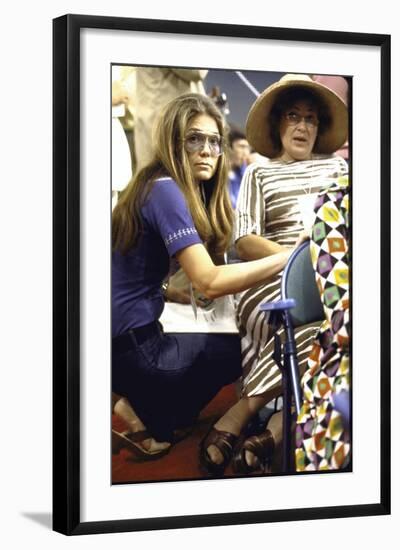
<point>113,109</point>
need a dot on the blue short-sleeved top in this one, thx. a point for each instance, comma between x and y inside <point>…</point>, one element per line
<point>138,275</point>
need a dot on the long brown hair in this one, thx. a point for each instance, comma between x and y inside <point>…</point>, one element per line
<point>213,223</point>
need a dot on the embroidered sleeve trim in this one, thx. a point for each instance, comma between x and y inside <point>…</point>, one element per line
<point>172,237</point>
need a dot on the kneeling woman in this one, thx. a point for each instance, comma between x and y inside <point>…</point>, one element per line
<point>177,208</point>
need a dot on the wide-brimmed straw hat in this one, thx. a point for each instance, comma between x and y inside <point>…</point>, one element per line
<point>258,124</point>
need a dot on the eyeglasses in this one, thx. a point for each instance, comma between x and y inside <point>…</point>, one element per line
<point>293,119</point>
<point>196,141</point>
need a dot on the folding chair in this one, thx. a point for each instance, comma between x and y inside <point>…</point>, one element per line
<point>300,304</point>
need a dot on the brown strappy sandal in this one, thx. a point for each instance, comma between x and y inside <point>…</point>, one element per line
<point>262,446</point>
<point>225,443</point>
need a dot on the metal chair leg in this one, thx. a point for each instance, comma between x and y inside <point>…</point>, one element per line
<point>290,354</point>
<point>286,422</point>
<point>291,369</point>
<point>290,381</point>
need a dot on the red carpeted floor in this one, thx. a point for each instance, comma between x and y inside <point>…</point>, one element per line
<point>182,461</point>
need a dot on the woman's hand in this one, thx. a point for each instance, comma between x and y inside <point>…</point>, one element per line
<point>182,296</point>
<point>304,236</point>
<point>174,294</point>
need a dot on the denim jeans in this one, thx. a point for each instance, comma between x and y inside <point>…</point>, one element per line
<point>170,378</point>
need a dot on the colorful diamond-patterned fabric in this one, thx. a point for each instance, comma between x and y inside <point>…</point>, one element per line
<point>322,434</point>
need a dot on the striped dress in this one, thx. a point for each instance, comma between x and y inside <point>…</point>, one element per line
<point>268,205</point>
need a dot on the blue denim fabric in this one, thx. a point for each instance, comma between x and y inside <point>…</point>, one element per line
<point>170,378</point>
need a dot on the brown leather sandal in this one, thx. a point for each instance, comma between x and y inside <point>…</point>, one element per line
<point>225,443</point>
<point>262,446</point>
<point>132,440</point>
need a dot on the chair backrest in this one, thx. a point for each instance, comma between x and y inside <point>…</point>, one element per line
<point>298,282</point>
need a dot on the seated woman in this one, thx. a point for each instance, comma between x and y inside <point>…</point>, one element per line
<point>322,431</point>
<point>176,208</point>
<point>298,124</point>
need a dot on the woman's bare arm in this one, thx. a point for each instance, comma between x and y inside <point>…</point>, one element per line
<point>254,247</point>
<point>214,281</point>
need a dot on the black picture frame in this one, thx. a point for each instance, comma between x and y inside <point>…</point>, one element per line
<point>66,273</point>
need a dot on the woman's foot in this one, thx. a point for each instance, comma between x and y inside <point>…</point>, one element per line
<point>216,451</point>
<point>255,454</point>
<point>134,442</point>
<point>218,446</point>
<point>233,422</point>
<point>136,437</point>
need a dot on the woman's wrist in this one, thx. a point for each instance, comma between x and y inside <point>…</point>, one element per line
<point>164,289</point>
<point>278,261</point>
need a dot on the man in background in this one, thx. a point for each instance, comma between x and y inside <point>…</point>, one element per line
<point>155,87</point>
<point>239,156</point>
